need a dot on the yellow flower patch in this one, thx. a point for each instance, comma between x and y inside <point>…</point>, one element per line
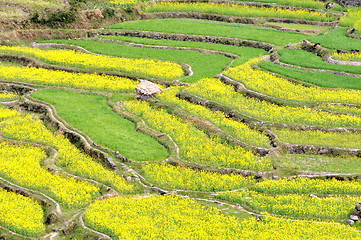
<point>28,128</point>
<point>356,56</point>
<point>140,67</point>
<point>195,145</point>
<point>21,214</point>
<point>185,178</point>
<point>168,217</point>
<point>278,87</point>
<point>66,79</point>
<point>236,128</point>
<point>22,165</point>
<point>4,96</point>
<point>215,90</point>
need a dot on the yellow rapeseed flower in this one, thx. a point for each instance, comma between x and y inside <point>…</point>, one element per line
<point>195,145</point>
<point>66,79</point>
<point>29,128</point>
<point>213,89</point>
<point>169,217</point>
<point>140,67</point>
<point>21,214</point>
<point>278,87</point>
<point>180,177</point>
<point>5,96</point>
<point>22,165</point>
<point>235,128</point>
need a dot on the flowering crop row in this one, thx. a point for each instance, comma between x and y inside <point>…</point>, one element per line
<point>168,217</point>
<point>4,96</point>
<point>320,138</point>
<point>237,10</point>
<point>306,186</point>
<point>21,214</point>
<point>355,56</point>
<point>22,165</point>
<point>235,128</point>
<point>294,205</point>
<point>185,178</point>
<point>66,79</point>
<point>272,85</point>
<point>28,128</point>
<point>194,144</point>
<point>140,67</point>
<point>6,113</point>
<point>215,90</point>
<point>352,19</point>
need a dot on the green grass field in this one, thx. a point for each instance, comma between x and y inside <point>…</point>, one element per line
<point>91,114</point>
<point>210,28</point>
<point>309,60</point>
<point>244,53</point>
<point>336,39</point>
<point>322,79</point>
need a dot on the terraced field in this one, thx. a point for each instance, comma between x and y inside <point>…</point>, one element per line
<point>187,120</point>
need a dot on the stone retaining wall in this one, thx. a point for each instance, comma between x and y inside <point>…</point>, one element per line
<point>15,88</point>
<point>353,3</point>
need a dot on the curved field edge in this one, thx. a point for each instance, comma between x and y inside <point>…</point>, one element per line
<point>243,53</point>
<point>339,162</point>
<point>202,64</point>
<point>91,114</point>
